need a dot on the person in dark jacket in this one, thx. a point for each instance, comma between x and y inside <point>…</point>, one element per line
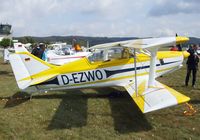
<point>192,65</point>
<point>38,50</point>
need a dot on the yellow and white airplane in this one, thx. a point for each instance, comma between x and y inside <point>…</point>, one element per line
<point>132,64</point>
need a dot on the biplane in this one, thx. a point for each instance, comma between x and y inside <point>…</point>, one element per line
<point>132,64</point>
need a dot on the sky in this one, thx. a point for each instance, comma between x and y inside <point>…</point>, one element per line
<point>105,18</point>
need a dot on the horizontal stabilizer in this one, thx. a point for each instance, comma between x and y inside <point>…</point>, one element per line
<point>153,98</point>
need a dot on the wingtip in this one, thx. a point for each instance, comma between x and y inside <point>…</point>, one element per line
<point>185,54</point>
<point>181,39</point>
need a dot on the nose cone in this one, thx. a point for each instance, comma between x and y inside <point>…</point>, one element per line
<point>185,54</point>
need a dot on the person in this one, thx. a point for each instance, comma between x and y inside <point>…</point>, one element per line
<point>36,51</point>
<point>77,47</point>
<point>179,46</point>
<point>6,55</point>
<point>174,48</point>
<point>39,51</point>
<point>43,52</point>
<point>125,53</point>
<point>192,64</point>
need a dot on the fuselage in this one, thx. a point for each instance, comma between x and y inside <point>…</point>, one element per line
<point>86,74</point>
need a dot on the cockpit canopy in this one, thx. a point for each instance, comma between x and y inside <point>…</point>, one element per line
<point>114,53</point>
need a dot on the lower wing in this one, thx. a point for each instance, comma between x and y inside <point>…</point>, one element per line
<point>154,98</point>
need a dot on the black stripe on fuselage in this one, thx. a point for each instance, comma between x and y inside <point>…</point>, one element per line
<point>53,81</point>
<point>113,72</point>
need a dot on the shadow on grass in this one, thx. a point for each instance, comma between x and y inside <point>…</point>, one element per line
<point>176,86</point>
<point>16,99</point>
<point>6,73</point>
<point>72,111</point>
<point>127,117</point>
<point>194,101</point>
<point>3,63</point>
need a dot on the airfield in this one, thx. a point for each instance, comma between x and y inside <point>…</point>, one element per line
<point>104,113</point>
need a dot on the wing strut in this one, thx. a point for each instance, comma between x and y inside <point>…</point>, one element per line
<point>152,69</point>
<point>136,90</point>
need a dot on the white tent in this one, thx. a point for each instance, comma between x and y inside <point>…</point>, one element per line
<point>1,38</point>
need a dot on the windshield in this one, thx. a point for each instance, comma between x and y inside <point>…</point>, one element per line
<point>115,53</point>
<point>63,51</point>
<point>109,54</point>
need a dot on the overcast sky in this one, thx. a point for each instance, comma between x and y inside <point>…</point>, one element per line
<point>118,18</point>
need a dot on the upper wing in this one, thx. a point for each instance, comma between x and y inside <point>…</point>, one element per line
<point>144,43</point>
<point>154,98</point>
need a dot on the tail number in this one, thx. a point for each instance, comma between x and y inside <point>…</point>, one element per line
<point>81,77</point>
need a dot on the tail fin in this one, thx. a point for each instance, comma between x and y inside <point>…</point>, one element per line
<point>25,66</point>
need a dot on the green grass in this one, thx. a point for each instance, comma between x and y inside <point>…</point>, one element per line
<point>107,113</point>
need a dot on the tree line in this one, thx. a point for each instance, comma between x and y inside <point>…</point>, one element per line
<point>5,42</point>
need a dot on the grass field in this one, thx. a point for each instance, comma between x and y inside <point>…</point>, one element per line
<point>107,113</point>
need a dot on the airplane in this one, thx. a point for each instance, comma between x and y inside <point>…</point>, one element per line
<point>132,64</point>
<point>57,59</point>
<point>53,57</point>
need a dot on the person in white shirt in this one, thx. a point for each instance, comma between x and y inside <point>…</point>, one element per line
<point>6,55</point>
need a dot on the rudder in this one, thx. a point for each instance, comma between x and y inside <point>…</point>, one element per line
<point>24,65</point>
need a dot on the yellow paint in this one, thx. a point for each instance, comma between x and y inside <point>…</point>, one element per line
<point>139,100</point>
<point>43,76</point>
<point>51,75</point>
<point>118,78</point>
<point>185,54</point>
<point>181,39</point>
<point>179,97</point>
<point>38,59</point>
<point>84,65</point>
<point>166,69</point>
<point>168,54</point>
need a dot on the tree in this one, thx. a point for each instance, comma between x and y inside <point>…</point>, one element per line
<point>29,40</point>
<point>83,42</point>
<point>6,42</point>
<point>26,39</point>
